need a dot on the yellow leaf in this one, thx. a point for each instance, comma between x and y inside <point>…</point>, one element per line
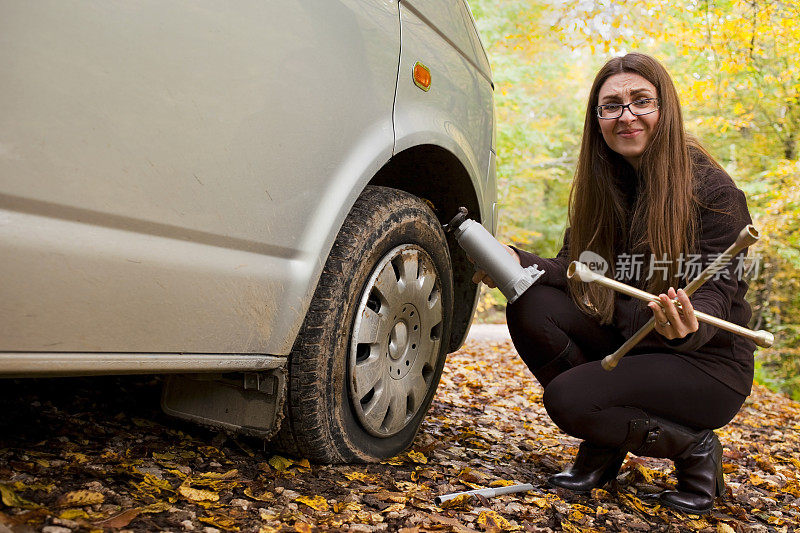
<point>78,457</point>
<point>197,495</point>
<point>268,529</point>
<point>164,456</point>
<point>569,527</point>
<point>394,461</point>
<point>317,502</point>
<point>490,519</point>
<point>72,514</point>
<point>540,502</point>
<point>302,527</point>
<point>729,467</point>
<point>646,473</point>
<point>280,463</point>
<point>501,483</point>
<point>636,503</point>
<point>722,527</point>
<point>360,476</point>
<point>577,516</point>
<point>223,522</point>
<point>395,507</point>
<point>417,457</point>
<point>696,524</point>
<point>79,498</point>
<point>263,496</point>
<point>161,484</point>
<point>157,507</point>
<point>11,499</point>
<point>220,475</point>
<point>461,501</point>
<point>342,507</point>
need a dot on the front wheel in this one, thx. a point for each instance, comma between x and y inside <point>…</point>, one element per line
<point>369,356</point>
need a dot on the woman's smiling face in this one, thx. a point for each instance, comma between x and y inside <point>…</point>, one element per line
<point>629,134</point>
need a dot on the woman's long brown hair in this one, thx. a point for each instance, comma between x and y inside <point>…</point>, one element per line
<point>662,216</point>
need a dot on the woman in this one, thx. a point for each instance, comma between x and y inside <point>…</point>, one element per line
<point>651,202</point>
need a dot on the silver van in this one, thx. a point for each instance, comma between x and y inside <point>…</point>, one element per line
<point>248,197</point>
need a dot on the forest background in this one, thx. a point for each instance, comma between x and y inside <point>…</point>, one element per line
<point>736,64</point>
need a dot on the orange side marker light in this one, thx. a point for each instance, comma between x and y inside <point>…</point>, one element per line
<point>422,76</point>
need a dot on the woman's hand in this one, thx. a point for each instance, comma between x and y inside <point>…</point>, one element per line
<point>481,276</point>
<point>669,322</point>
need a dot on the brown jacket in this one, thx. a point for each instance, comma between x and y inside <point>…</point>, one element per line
<point>721,354</point>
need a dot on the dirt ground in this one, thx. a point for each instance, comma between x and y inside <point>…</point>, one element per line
<point>94,454</point>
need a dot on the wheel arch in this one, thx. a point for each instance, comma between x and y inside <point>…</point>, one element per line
<point>437,176</point>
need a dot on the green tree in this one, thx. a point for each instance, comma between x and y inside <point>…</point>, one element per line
<point>736,64</point>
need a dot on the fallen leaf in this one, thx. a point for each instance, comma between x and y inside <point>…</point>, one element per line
<point>540,502</point>
<point>722,527</point>
<point>569,527</point>
<point>302,527</point>
<point>197,495</point>
<point>77,457</point>
<point>316,502</point>
<point>153,481</point>
<point>491,520</point>
<point>361,476</point>
<point>12,499</point>
<point>164,456</point>
<point>417,457</point>
<point>501,483</point>
<point>395,507</point>
<point>456,524</point>
<point>261,496</point>
<point>343,507</point>
<point>120,520</point>
<point>72,514</point>
<point>462,501</point>
<point>80,498</point>
<point>220,521</point>
<point>280,463</point>
<point>220,475</point>
<point>157,507</point>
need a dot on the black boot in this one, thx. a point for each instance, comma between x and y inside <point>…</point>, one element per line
<point>698,462</point>
<point>594,467</point>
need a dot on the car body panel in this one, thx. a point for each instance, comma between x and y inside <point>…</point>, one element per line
<point>438,116</point>
<point>166,168</point>
<point>173,176</point>
<point>454,22</point>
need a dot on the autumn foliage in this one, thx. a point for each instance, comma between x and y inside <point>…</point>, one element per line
<point>736,64</point>
<point>98,455</point>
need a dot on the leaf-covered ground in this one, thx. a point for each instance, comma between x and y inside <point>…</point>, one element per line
<point>95,454</point>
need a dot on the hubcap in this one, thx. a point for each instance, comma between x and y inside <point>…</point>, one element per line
<point>396,340</point>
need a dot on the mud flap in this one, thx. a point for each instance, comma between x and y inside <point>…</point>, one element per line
<point>249,403</point>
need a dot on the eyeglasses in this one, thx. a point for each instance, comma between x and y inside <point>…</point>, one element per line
<point>643,106</point>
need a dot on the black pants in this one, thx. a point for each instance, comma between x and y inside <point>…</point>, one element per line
<point>563,348</point>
